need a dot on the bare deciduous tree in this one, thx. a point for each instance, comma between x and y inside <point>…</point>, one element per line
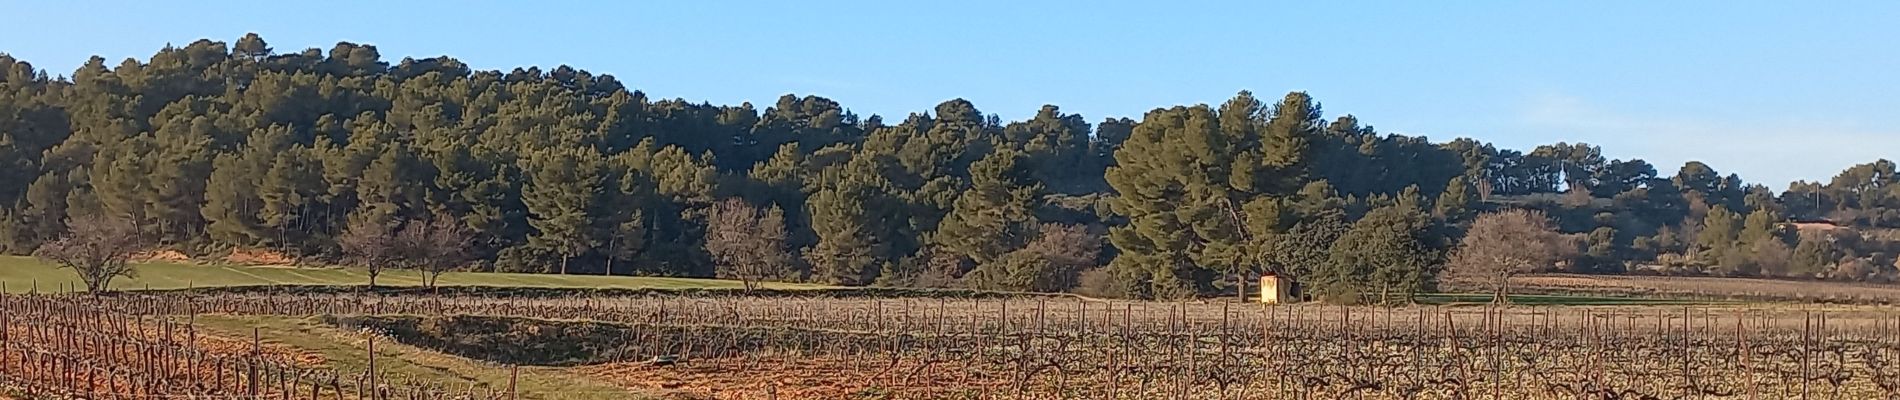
<point>1069,249</point>
<point>98,248</point>
<point>1049,263</point>
<point>942,268</point>
<point>1502,244</point>
<point>1068,244</point>
<point>434,246</point>
<point>373,243</point>
<point>747,243</point>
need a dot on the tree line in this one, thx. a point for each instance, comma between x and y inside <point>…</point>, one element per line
<point>324,156</point>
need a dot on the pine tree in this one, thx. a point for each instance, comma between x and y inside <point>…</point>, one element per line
<point>780,177</point>
<point>1720,230</point>
<point>1055,147</point>
<point>251,46</point>
<point>231,202</point>
<point>1410,198</point>
<point>1455,203</point>
<point>563,188</point>
<point>1813,256</point>
<point>1287,140</point>
<point>1760,226</point>
<point>1599,252</point>
<point>846,250</point>
<point>46,208</point>
<point>1757,246</point>
<point>15,235</point>
<point>1162,182</point>
<point>781,180</point>
<point>1184,176</point>
<point>622,215</point>
<point>775,253</point>
<point>119,180</point>
<point>346,166</point>
<point>993,216</point>
<point>391,181</point>
<point>289,193</point>
<point>181,165</point>
<point>1390,250</point>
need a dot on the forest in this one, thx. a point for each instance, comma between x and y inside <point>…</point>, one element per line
<point>212,148</point>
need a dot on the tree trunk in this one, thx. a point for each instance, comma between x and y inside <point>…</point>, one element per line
<point>1241,282</point>
<point>564,264</point>
<point>1503,294</point>
<point>611,239</point>
<point>372,278</point>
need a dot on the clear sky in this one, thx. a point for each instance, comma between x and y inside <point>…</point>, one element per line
<point>1775,91</point>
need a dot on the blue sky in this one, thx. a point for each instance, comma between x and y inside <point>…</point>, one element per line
<point>1775,91</point>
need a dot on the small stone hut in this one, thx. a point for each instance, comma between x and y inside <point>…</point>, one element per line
<point>1275,290</point>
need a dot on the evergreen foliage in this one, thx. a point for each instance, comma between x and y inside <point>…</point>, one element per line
<point>210,147</point>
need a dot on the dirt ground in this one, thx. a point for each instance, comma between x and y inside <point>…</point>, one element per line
<point>164,255</point>
<point>792,378</point>
<point>258,257</point>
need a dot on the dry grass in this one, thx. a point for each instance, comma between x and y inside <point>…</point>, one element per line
<point>1752,289</point>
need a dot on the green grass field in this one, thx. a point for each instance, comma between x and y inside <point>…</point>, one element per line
<point>21,274</point>
<point>345,353</point>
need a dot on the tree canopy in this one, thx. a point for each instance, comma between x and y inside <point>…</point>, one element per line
<point>212,147</point>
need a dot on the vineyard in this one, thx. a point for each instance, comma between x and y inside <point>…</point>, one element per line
<point>152,346</point>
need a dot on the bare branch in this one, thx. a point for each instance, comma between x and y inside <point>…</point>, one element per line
<point>1503,244</point>
<point>97,247</point>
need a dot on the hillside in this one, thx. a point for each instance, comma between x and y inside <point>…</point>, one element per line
<point>322,155</point>
<point>21,273</point>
